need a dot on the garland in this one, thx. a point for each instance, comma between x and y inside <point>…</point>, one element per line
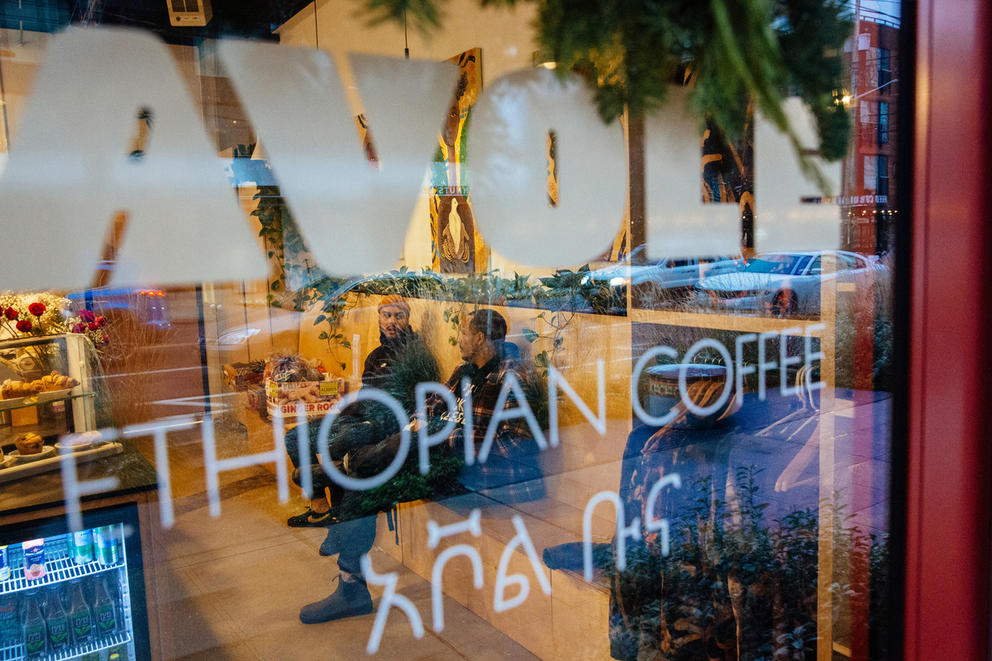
<point>732,54</point>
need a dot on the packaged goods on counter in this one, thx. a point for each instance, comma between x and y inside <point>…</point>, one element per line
<point>294,384</point>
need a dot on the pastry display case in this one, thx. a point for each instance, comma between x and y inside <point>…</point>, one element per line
<point>49,402</point>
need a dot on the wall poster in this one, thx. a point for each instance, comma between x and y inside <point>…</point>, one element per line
<point>455,244</point>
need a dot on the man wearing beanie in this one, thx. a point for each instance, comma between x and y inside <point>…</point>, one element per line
<point>399,362</point>
<point>394,334</point>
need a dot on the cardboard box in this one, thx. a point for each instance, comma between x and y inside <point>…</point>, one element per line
<point>315,397</point>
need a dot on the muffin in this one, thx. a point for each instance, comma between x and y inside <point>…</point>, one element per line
<point>29,443</point>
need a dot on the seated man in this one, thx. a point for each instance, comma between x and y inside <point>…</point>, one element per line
<point>510,466</point>
<point>394,336</point>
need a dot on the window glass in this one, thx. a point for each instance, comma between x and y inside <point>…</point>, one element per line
<point>445,330</point>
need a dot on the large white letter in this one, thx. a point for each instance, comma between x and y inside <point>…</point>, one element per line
<point>508,141</point>
<point>555,379</point>
<point>782,221</point>
<point>353,216</point>
<point>679,224</point>
<point>69,172</point>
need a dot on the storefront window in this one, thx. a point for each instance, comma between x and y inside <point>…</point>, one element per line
<point>331,330</point>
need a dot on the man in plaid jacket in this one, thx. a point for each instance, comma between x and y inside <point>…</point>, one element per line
<point>510,472</point>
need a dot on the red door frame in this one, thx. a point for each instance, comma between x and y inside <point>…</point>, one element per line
<point>948,491</point>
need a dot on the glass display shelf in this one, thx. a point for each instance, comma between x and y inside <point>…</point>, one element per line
<point>42,398</point>
<point>16,652</point>
<point>56,571</point>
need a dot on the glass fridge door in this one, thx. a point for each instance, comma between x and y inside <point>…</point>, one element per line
<point>80,595</point>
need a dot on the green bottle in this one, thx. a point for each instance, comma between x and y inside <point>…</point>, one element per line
<point>57,622</point>
<point>80,616</point>
<point>35,633</point>
<point>105,610</point>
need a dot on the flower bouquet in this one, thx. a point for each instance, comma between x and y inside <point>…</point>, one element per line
<point>42,315</point>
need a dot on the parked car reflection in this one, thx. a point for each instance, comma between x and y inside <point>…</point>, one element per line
<point>658,282</point>
<point>788,283</point>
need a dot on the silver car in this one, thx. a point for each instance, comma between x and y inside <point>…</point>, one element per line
<point>788,283</point>
<point>666,280</point>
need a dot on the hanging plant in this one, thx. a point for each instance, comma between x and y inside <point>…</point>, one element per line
<point>732,54</point>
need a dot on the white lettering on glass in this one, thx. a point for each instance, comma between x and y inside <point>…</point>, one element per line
<point>508,141</point>
<point>653,524</point>
<point>779,184</point>
<point>214,466</point>
<point>556,380</point>
<point>323,440</point>
<point>728,382</point>
<point>426,440</point>
<point>73,489</point>
<point>388,600</point>
<point>503,580</point>
<point>158,431</point>
<point>435,532</point>
<point>434,535</point>
<point>501,413</point>
<point>295,100</point>
<point>784,360</point>
<point>635,377</point>
<point>633,531</point>
<point>678,222</point>
<point>69,172</point>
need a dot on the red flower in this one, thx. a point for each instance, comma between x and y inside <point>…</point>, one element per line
<point>87,316</point>
<point>24,325</point>
<point>37,309</point>
<point>10,313</point>
<point>99,321</point>
<point>79,328</point>
<point>93,326</point>
<point>106,339</point>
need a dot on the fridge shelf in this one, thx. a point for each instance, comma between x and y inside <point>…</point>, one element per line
<point>56,571</point>
<point>16,652</point>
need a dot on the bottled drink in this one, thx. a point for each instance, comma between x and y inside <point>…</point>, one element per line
<point>106,545</point>
<point>104,610</point>
<point>35,634</point>
<point>82,545</point>
<point>56,621</point>
<point>10,625</point>
<point>34,558</point>
<point>4,563</point>
<point>80,616</point>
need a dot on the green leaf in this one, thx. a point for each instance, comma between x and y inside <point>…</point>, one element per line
<point>322,336</point>
<point>320,318</point>
<point>530,335</point>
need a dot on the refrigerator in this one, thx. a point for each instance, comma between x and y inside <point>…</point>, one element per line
<point>75,595</point>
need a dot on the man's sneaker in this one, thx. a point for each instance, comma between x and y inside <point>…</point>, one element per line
<point>332,543</point>
<point>310,519</point>
<point>351,599</point>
